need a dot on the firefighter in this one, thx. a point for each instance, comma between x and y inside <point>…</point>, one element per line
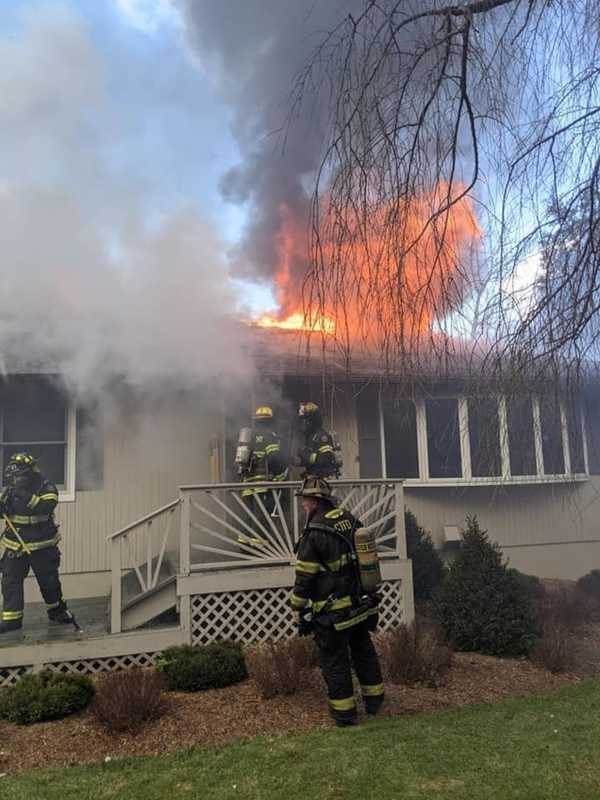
<point>317,456</point>
<point>342,619</point>
<point>30,539</point>
<point>260,458</point>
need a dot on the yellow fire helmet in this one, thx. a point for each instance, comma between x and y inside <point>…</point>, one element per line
<point>316,489</point>
<point>306,409</point>
<point>263,412</point>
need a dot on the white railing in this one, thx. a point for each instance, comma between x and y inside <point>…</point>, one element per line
<point>220,528</point>
<point>140,547</point>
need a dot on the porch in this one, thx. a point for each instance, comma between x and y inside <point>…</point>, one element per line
<point>209,565</point>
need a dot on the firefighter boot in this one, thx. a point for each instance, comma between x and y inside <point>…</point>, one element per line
<point>61,614</point>
<point>11,625</point>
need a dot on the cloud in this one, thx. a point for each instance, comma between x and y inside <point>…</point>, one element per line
<point>148,16</point>
<point>92,277</point>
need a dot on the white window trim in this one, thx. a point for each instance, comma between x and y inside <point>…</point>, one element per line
<point>67,495</point>
<point>505,478</point>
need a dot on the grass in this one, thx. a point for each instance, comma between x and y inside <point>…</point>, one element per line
<point>535,748</point>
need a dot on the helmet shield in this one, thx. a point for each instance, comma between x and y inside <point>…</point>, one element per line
<point>19,470</point>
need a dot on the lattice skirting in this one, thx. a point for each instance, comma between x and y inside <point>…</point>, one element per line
<point>90,666</point>
<point>10,675</point>
<point>260,614</point>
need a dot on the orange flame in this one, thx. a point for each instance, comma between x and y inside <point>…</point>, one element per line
<point>298,322</point>
<point>403,270</point>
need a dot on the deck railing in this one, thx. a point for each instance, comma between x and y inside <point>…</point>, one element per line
<point>141,547</point>
<point>223,527</point>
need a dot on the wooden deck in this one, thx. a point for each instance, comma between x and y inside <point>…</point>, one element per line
<point>91,614</point>
<point>43,645</point>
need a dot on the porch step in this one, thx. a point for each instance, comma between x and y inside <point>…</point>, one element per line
<point>143,609</point>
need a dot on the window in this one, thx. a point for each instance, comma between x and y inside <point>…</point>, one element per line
<point>369,432</point>
<point>575,431</point>
<point>476,439</point>
<point>484,436</point>
<point>401,451</point>
<point>521,442</point>
<point>443,441</point>
<point>35,417</point>
<point>552,435</point>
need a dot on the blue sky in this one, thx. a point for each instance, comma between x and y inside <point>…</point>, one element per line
<point>159,126</point>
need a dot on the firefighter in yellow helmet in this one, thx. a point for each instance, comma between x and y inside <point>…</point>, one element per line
<point>29,540</point>
<point>317,456</point>
<point>259,458</point>
<point>328,586</point>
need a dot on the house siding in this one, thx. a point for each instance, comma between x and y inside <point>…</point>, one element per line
<point>147,455</point>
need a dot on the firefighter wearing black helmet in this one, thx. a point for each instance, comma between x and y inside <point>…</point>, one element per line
<point>30,540</point>
<point>259,458</point>
<point>317,456</point>
<point>327,585</point>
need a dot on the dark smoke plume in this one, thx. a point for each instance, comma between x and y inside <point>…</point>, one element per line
<point>256,48</point>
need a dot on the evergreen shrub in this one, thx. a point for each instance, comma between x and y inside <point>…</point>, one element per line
<point>45,696</point>
<point>482,605</point>
<point>590,583</point>
<point>427,565</point>
<point>193,669</point>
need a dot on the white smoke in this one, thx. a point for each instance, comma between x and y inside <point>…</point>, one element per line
<point>92,279</point>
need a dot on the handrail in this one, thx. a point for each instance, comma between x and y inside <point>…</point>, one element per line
<point>142,520</point>
<point>290,484</point>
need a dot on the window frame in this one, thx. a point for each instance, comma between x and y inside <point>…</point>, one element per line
<point>67,492</point>
<point>505,476</point>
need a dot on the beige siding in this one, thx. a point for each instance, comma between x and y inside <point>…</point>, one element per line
<point>552,530</point>
<point>147,455</point>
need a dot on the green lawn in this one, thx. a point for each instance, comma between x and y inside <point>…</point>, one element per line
<point>533,748</point>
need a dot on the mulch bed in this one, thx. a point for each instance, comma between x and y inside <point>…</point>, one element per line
<point>239,712</point>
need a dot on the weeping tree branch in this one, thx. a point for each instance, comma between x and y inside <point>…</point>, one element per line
<point>461,164</point>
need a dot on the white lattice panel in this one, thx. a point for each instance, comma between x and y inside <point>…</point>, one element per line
<point>264,614</point>
<point>10,675</point>
<point>391,608</point>
<point>92,666</point>
<point>247,616</point>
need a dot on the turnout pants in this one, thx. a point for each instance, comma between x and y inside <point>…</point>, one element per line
<point>339,651</point>
<point>15,568</point>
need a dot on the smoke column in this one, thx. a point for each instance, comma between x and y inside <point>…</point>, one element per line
<point>254,50</point>
<point>94,281</point>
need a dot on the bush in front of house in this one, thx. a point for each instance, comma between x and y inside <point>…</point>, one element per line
<point>126,700</point>
<point>415,653</point>
<point>482,605</point>
<point>193,669</point>
<point>590,584</point>
<point>427,566</point>
<point>277,668</point>
<point>45,696</point>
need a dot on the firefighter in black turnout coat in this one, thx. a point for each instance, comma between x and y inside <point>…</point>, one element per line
<point>327,583</point>
<point>317,456</point>
<point>30,539</point>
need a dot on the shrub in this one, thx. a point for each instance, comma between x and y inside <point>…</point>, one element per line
<point>415,653</point>
<point>482,605</point>
<point>590,583</point>
<point>427,566</point>
<point>45,696</point>
<point>278,667</point>
<point>193,669</point>
<point>126,700</point>
<point>562,610</point>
